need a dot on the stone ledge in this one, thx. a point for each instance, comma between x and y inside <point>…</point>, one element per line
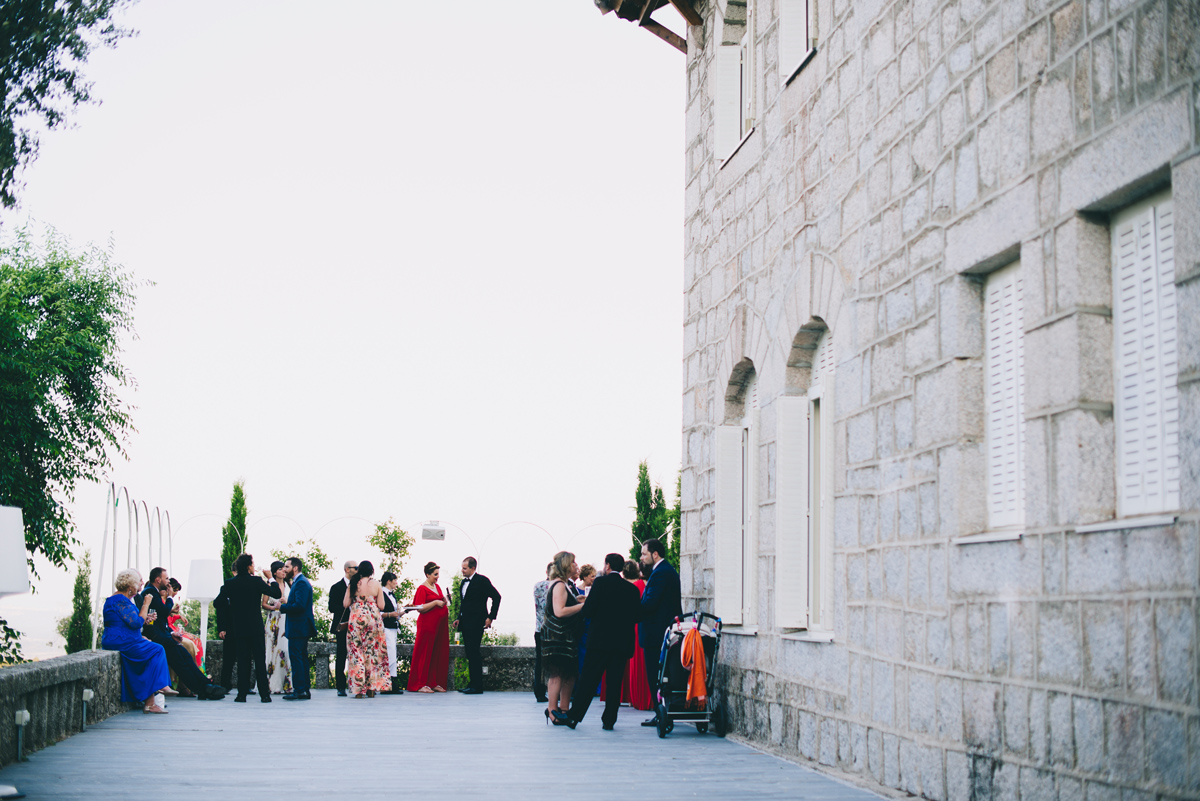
<point>52,691</point>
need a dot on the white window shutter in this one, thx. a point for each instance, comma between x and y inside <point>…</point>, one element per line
<point>822,362</point>
<point>791,511</point>
<point>727,99</point>
<point>1164,222</point>
<point>793,35</point>
<point>1147,402</point>
<point>1005,398</point>
<point>727,525</point>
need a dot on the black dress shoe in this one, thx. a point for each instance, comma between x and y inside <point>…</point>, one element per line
<point>342,693</point>
<point>608,726</point>
<point>213,692</point>
<point>472,691</point>
<point>650,722</point>
<point>266,699</point>
<point>241,699</point>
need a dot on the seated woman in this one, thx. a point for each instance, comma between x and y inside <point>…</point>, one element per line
<point>143,663</point>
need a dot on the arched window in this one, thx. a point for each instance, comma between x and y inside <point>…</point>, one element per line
<point>804,488</point>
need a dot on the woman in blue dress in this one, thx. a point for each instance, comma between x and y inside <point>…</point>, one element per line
<point>143,663</point>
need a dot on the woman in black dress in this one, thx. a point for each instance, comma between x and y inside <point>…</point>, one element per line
<point>560,639</point>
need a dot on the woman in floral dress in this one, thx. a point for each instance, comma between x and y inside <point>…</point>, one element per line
<point>367,662</point>
<point>279,667</point>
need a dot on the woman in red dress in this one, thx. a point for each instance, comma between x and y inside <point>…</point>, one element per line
<point>637,687</point>
<point>430,665</point>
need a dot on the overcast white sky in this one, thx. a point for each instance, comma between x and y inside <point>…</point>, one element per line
<point>407,262</point>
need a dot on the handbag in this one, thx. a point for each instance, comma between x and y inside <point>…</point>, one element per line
<point>344,623</point>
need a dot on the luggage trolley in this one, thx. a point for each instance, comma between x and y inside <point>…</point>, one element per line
<point>671,697</point>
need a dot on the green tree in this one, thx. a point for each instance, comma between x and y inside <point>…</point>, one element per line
<point>315,561</point>
<point>63,315</point>
<point>79,625</point>
<point>651,518</point>
<point>43,46</point>
<point>396,546</point>
<point>233,535</point>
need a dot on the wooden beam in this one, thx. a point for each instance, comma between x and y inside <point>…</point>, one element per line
<point>648,9</point>
<point>685,9</point>
<point>666,34</point>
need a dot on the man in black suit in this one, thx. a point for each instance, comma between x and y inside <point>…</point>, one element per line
<point>612,605</point>
<point>473,618</point>
<point>244,594</point>
<point>178,658</point>
<point>337,594</point>
<point>662,602</point>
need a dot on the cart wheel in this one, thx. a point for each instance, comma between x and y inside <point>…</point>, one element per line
<point>720,721</point>
<point>670,725</point>
<point>663,721</point>
<point>702,728</point>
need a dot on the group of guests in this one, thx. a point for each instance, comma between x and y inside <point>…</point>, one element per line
<point>153,648</point>
<point>624,615</point>
<point>366,620</point>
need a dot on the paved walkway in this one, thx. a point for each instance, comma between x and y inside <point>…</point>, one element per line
<point>411,746</point>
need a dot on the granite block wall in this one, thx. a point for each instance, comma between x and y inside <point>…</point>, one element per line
<point>924,144</point>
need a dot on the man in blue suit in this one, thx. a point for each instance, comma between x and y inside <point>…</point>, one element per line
<point>662,602</point>
<point>299,626</point>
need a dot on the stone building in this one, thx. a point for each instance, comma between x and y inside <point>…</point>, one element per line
<point>941,447</point>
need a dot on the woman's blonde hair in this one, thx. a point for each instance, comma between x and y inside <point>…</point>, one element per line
<point>128,579</point>
<point>587,570</point>
<point>561,566</point>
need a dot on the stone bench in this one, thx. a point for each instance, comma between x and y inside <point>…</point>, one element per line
<point>509,667</point>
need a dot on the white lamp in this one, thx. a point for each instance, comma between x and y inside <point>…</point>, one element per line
<point>14,575</point>
<point>204,584</point>
<point>433,531</point>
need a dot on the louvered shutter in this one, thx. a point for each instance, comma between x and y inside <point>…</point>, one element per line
<point>793,35</point>
<point>1005,398</point>
<point>791,511</point>
<point>727,525</point>
<point>727,92</point>
<point>1147,402</point>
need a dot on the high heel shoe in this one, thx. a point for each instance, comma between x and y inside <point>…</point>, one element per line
<point>547,711</point>
<point>561,719</point>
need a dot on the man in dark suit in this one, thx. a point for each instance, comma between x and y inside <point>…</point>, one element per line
<point>662,602</point>
<point>229,654</point>
<point>178,658</point>
<point>473,618</point>
<point>337,594</point>
<point>244,594</point>
<point>299,627</point>
<point>612,605</point>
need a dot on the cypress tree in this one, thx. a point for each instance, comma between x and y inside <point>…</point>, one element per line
<point>79,630</point>
<point>233,535</point>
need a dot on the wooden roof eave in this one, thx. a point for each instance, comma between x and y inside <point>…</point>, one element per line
<point>639,11</point>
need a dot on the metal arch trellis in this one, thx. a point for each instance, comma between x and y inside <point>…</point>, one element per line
<point>112,502</point>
